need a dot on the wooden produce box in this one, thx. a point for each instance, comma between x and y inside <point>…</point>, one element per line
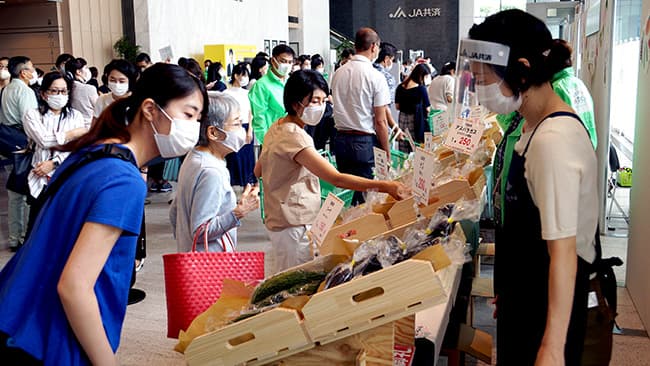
<point>248,342</point>
<point>377,298</point>
<point>376,346</point>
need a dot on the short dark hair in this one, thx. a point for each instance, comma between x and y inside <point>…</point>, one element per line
<point>93,71</point>
<point>282,48</point>
<point>386,49</point>
<point>72,66</point>
<point>303,58</point>
<point>63,58</point>
<point>347,52</point>
<point>417,74</point>
<point>316,60</point>
<point>143,57</point>
<point>531,41</point>
<point>448,68</point>
<point>239,69</point>
<point>301,84</point>
<point>48,79</point>
<point>4,58</point>
<point>365,38</point>
<point>125,67</point>
<point>17,64</point>
<point>182,62</point>
<point>161,82</point>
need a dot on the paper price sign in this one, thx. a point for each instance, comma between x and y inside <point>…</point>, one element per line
<point>381,163</point>
<point>465,135</point>
<point>326,217</point>
<point>428,141</point>
<point>440,124</point>
<point>423,165</point>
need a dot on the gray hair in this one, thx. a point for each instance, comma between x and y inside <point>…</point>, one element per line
<point>221,107</point>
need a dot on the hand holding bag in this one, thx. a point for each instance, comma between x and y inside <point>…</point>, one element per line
<point>193,280</point>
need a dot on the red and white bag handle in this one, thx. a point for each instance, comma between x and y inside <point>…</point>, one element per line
<point>204,227</point>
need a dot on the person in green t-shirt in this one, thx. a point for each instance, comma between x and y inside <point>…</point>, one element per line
<point>571,90</point>
<point>266,95</point>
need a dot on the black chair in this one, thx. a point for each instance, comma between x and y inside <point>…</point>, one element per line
<point>612,187</point>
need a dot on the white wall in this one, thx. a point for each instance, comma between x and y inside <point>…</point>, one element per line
<point>638,251</point>
<point>188,25</point>
<point>314,30</point>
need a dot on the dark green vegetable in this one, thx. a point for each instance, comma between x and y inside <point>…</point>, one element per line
<point>284,281</point>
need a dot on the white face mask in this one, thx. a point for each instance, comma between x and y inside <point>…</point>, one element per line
<point>39,81</point>
<point>223,74</point>
<point>4,74</point>
<point>312,115</point>
<point>57,102</point>
<point>283,69</point>
<point>321,70</point>
<point>182,137</point>
<point>86,75</point>
<point>34,78</point>
<point>493,99</point>
<point>234,139</point>
<point>243,81</point>
<point>118,89</point>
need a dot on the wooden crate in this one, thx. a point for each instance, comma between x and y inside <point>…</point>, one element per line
<point>377,298</point>
<point>371,347</point>
<point>360,230</point>
<point>258,340</point>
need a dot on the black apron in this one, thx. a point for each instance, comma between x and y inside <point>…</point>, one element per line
<point>521,275</point>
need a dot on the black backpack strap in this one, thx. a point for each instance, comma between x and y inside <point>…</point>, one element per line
<point>106,151</point>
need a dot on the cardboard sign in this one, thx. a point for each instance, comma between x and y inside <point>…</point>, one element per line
<point>428,141</point>
<point>440,124</point>
<point>381,163</point>
<point>465,134</point>
<point>423,166</point>
<point>327,215</point>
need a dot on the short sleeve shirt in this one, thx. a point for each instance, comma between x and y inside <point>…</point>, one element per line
<point>357,87</point>
<point>102,103</point>
<point>409,99</point>
<point>562,179</point>
<point>107,191</point>
<point>441,86</point>
<point>291,192</point>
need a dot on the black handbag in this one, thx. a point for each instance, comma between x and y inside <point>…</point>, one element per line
<point>22,161</point>
<point>12,138</point>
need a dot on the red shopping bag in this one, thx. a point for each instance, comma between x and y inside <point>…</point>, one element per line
<point>193,280</point>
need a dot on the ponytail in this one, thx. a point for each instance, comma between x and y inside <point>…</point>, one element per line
<point>559,56</point>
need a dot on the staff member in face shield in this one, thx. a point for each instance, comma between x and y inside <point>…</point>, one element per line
<point>290,167</point>
<point>546,240</point>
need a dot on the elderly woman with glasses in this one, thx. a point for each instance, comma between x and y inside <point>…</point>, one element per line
<point>52,124</point>
<point>204,194</point>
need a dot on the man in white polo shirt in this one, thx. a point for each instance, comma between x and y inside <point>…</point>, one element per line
<point>361,98</point>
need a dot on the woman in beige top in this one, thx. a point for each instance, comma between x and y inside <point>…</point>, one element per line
<point>290,168</point>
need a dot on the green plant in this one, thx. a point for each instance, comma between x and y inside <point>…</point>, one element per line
<point>126,49</point>
<point>344,44</point>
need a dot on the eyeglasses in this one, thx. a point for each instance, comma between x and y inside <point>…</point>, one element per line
<point>57,91</point>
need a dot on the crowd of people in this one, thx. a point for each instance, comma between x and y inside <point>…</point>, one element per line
<point>93,144</point>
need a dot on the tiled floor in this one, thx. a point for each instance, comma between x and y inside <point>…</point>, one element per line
<point>143,336</point>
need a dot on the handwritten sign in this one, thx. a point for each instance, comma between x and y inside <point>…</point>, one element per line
<point>428,141</point>
<point>328,213</point>
<point>423,166</point>
<point>381,163</point>
<point>440,124</point>
<point>465,134</point>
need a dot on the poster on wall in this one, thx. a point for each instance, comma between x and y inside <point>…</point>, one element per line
<point>228,54</point>
<point>267,46</point>
<point>273,44</point>
<point>593,18</point>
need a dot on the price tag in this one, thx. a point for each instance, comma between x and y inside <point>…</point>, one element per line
<point>440,124</point>
<point>381,163</point>
<point>423,165</point>
<point>403,355</point>
<point>428,141</point>
<point>326,217</point>
<point>465,135</point>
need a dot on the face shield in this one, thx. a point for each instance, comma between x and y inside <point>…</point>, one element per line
<point>480,69</point>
